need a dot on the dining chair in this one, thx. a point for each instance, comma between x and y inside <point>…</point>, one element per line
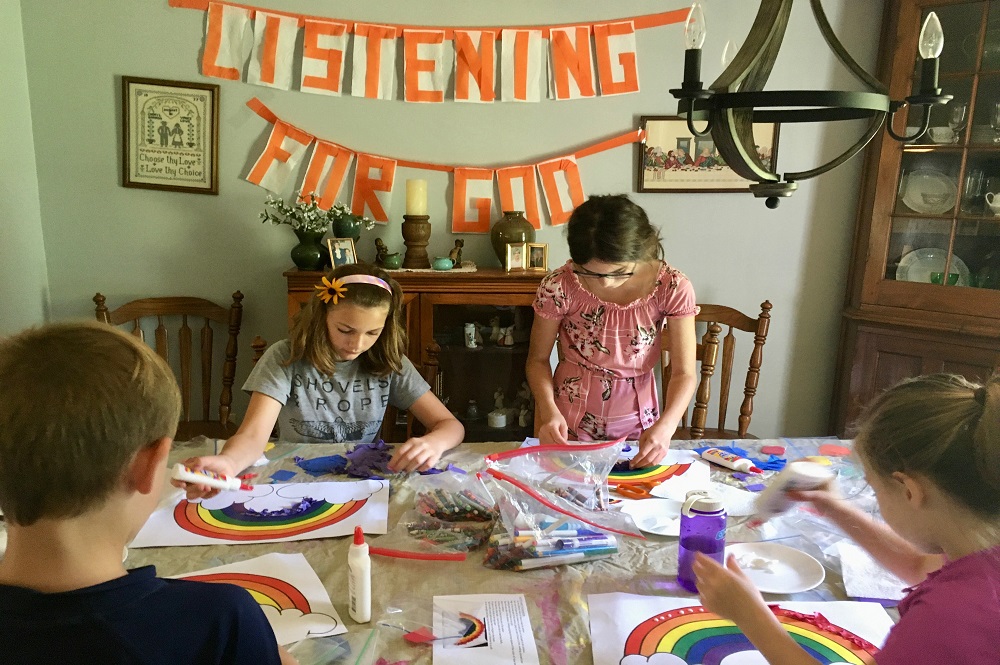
<point>171,317</point>
<point>715,317</point>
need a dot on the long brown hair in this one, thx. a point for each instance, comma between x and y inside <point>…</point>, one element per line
<point>943,427</point>
<point>310,340</point>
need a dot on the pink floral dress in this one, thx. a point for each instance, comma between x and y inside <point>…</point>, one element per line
<point>604,384</point>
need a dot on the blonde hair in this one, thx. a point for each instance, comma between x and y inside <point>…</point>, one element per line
<point>310,340</point>
<point>77,401</point>
<point>943,427</point>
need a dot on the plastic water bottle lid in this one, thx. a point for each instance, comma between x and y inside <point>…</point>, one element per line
<point>703,501</point>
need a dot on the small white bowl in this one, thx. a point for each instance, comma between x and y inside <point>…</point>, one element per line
<point>941,134</point>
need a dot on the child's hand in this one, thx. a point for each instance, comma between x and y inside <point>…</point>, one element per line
<point>417,454</point>
<point>726,590</point>
<point>220,464</point>
<point>653,446</point>
<point>822,499</point>
<point>553,430</point>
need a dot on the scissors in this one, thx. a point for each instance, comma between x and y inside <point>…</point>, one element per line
<point>636,490</point>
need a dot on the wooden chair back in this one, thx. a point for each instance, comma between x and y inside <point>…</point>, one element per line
<point>715,317</point>
<point>201,313</point>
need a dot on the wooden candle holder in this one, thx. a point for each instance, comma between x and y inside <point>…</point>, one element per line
<point>416,234</point>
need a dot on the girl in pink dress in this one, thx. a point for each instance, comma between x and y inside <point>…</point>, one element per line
<point>930,447</point>
<point>606,308</point>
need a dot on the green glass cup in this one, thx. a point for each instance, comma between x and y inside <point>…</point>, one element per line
<point>938,278</point>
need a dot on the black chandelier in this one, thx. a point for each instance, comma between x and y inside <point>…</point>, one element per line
<point>737,100</point>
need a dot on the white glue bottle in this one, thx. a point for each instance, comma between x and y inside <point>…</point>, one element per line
<point>796,476</point>
<point>359,578</point>
<point>730,461</point>
<point>207,478</point>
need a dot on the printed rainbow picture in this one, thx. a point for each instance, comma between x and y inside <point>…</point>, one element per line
<point>628,629</point>
<point>268,514</point>
<point>265,589</point>
<point>475,629</point>
<point>236,522</point>
<point>698,636</point>
<point>288,591</point>
<point>651,474</point>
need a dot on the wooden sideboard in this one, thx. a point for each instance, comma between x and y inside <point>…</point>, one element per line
<point>438,304</point>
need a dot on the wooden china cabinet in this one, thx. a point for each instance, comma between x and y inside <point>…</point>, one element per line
<point>438,307</point>
<point>924,294</point>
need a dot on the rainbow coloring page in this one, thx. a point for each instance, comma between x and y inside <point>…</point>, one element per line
<point>682,468</point>
<point>269,514</point>
<point>287,589</point>
<point>496,627</point>
<point>628,629</point>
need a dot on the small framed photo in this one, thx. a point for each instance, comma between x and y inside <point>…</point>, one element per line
<point>538,256</point>
<point>170,135</point>
<point>341,251</point>
<point>515,256</point>
<point>672,159</point>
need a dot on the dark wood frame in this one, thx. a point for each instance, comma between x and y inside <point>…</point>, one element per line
<point>739,184</point>
<point>129,134</point>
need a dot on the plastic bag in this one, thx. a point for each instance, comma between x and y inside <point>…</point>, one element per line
<point>554,506</point>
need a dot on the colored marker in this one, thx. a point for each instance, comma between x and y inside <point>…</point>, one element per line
<point>528,564</point>
<point>207,478</point>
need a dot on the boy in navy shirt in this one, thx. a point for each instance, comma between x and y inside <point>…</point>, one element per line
<point>88,414</point>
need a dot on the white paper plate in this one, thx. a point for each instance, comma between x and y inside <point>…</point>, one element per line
<point>918,265</point>
<point>790,570</point>
<point>658,516</point>
<point>929,192</point>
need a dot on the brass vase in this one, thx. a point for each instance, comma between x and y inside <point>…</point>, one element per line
<point>512,227</point>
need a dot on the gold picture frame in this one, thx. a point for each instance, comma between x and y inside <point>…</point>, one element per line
<point>170,135</point>
<point>537,257</point>
<point>515,256</point>
<point>342,251</point>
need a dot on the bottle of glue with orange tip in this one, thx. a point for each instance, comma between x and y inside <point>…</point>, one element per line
<point>730,461</point>
<point>359,578</point>
<point>207,478</point>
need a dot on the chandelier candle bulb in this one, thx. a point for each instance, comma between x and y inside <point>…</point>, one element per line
<point>730,461</point>
<point>694,38</point>
<point>416,197</point>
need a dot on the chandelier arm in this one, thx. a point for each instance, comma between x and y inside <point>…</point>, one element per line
<point>752,63</point>
<point>744,161</point>
<point>873,128</point>
<point>838,50</point>
<point>925,122</point>
<point>704,132</point>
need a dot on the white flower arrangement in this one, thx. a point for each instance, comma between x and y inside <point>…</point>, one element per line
<point>306,215</point>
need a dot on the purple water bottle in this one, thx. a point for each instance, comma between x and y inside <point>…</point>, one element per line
<point>703,529</point>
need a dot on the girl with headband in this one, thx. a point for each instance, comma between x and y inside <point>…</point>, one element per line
<point>332,380</point>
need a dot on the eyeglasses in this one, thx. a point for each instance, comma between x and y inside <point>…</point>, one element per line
<point>604,275</point>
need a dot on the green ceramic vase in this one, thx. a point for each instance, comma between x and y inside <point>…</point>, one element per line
<point>309,254</point>
<point>347,227</point>
<point>512,227</point>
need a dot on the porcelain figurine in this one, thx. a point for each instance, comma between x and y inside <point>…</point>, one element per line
<point>522,417</point>
<point>498,399</point>
<point>497,333</point>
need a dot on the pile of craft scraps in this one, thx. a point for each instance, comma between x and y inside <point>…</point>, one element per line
<point>365,460</point>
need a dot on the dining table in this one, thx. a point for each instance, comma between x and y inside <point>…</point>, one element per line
<point>556,597</point>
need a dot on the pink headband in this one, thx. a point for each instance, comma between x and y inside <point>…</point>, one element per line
<point>365,279</point>
<point>333,291</point>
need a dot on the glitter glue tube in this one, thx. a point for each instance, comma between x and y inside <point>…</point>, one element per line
<point>796,476</point>
<point>730,461</point>
<point>359,578</point>
<point>207,479</point>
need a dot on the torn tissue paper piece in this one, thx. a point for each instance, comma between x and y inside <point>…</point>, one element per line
<point>755,562</point>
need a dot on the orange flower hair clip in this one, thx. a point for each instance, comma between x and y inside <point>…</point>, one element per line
<point>331,290</point>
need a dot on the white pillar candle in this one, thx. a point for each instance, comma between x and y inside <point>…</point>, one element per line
<point>416,197</point>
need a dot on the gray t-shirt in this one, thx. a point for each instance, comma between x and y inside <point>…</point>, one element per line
<point>349,406</point>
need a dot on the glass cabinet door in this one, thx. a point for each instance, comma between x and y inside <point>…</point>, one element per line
<point>945,227</point>
<point>481,377</point>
